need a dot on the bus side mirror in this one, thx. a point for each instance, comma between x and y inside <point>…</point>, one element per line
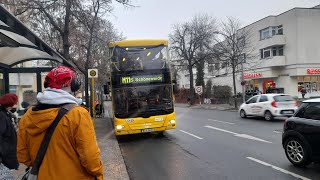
<point>175,89</point>
<point>106,89</point>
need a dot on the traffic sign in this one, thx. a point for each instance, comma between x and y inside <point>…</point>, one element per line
<point>199,90</point>
<point>93,73</point>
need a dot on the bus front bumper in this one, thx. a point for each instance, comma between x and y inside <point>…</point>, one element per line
<point>138,131</point>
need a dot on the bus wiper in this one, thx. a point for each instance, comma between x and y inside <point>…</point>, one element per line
<point>162,109</point>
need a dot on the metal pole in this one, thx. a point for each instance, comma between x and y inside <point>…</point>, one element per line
<point>93,105</point>
<point>242,80</point>
<point>87,85</point>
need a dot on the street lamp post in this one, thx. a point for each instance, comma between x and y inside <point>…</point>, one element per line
<point>242,79</point>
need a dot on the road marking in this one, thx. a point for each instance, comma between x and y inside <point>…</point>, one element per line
<point>223,130</point>
<point>278,169</point>
<point>191,134</point>
<point>246,136</point>
<point>220,121</point>
<point>278,132</point>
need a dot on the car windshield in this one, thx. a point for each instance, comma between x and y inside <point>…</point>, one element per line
<point>142,100</point>
<point>283,98</point>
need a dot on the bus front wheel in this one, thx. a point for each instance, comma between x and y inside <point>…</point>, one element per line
<point>160,134</point>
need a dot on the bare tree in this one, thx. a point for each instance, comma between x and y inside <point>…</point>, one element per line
<point>72,27</point>
<point>233,47</point>
<point>56,19</point>
<point>192,42</point>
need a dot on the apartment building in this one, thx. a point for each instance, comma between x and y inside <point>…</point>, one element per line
<point>286,55</point>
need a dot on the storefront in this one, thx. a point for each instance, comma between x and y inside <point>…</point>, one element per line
<point>261,82</point>
<point>250,82</point>
<point>310,82</point>
<point>289,82</point>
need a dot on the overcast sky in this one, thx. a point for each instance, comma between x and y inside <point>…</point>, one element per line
<point>154,18</point>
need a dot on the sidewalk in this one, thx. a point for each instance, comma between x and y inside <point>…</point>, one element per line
<point>219,107</point>
<point>114,166</point>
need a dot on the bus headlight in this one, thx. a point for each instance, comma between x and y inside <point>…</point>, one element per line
<point>172,121</point>
<point>118,127</point>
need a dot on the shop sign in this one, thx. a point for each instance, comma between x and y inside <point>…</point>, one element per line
<point>252,75</point>
<point>313,71</point>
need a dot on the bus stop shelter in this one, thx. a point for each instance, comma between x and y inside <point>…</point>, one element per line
<point>19,45</point>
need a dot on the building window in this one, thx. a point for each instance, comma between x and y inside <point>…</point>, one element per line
<point>271,31</point>
<point>280,50</point>
<point>276,51</point>
<point>264,34</point>
<point>265,53</point>
<point>274,31</point>
<point>280,30</point>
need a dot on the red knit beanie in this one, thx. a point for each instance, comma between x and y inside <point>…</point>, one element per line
<point>59,77</point>
<point>8,100</point>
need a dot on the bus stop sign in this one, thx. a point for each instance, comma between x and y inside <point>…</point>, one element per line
<point>93,73</point>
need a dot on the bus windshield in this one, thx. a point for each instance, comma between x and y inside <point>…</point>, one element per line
<point>142,101</point>
<point>139,58</point>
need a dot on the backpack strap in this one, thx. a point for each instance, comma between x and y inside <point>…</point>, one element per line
<point>46,140</point>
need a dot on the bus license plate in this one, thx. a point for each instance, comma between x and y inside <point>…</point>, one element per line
<point>147,130</point>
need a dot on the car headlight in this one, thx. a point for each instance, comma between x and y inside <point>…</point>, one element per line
<point>118,127</point>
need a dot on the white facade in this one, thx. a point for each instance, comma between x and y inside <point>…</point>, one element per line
<point>286,54</point>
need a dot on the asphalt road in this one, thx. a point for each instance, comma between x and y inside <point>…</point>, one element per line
<point>212,145</point>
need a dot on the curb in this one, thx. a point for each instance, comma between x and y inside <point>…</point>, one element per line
<point>113,162</point>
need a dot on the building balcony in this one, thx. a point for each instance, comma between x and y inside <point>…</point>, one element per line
<point>276,40</point>
<point>275,61</point>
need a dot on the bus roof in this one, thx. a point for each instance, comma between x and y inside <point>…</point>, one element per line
<point>142,42</point>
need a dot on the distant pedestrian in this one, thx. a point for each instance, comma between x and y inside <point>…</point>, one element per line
<point>269,90</point>
<point>303,92</point>
<point>73,151</point>
<point>8,136</point>
<point>256,91</point>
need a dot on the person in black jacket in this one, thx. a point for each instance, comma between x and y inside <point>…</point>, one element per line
<point>8,136</point>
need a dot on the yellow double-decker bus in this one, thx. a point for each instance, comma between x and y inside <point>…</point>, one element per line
<point>141,87</point>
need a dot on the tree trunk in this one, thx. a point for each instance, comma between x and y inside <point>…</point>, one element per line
<point>66,31</point>
<point>191,93</point>
<point>234,84</point>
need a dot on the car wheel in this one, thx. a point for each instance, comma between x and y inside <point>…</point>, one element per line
<point>268,116</point>
<point>297,152</point>
<point>243,114</point>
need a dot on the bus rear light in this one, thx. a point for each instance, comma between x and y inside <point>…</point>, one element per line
<point>118,127</point>
<point>274,104</point>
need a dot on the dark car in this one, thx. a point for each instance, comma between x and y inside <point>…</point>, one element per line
<point>301,135</point>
